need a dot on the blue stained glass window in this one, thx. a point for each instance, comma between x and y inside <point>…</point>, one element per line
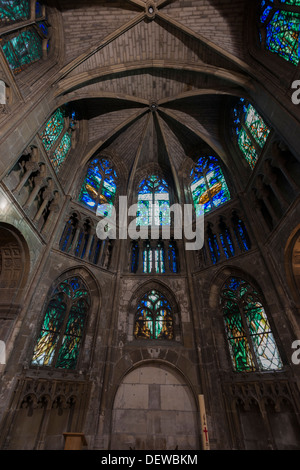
<point>213,248</point>
<point>241,233</point>
<point>38,10</point>
<point>208,185</point>
<point>100,186</point>
<point>153,202</point>
<point>282,28</point>
<point>227,244</point>
<point>160,259</point>
<point>172,254</point>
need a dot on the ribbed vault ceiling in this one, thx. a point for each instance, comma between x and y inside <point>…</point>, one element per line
<point>152,86</point>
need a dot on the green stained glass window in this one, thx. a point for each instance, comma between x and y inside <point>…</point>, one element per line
<point>154,319</point>
<point>53,129</point>
<point>246,146</point>
<point>22,49</point>
<point>256,126</point>
<point>99,188</point>
<point>251,342</point>
<point>14,10</point>
<point>208,185</point>
<point>59,341</point>
<point>251,131</point>
<point>153,202</point>
<point>280,29</point>
<point>61,151</point>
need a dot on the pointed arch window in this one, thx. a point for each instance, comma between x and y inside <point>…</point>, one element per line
<point>61,334</point>
<point>208,185</point>
<point>251,131</point>
<point>154,318</point>
<point>100,186</point>
<point>30,41</point>
<point>56,136</point>
<point>153,202</point>
<point>250,339</point>
<point>280,28</point>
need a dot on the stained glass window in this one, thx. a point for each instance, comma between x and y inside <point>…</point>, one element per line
<point>241,233</point>
<point>61,333</point>
<point>59,155</point>
<point>56,135</point>
<point>159,258</point>
<point>27,43</point>
<point>280,27</point>
<point>208,186</point>
<point>135,253</point>
<point>14,10</point>
<point>213,246</point>
<point>22,49</point>
<point>99,187</point>
<point>251,342</point>
<point>153,202</point>
<point>154,319</point>
<point>251,131</point>
<point>53,129</point>
<point>227,245</point>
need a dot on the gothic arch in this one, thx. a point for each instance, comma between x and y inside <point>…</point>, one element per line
<point>14,266</point>
<point>167,293</point>
<point>223,345</point>
<point>158,170</point>
<point>152,395</point>
<point>221,276</point>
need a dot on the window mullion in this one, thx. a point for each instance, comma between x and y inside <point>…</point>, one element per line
<point>17,26</point>
<point>62,332</point>
<point>248,335</point>
<point>59,138</point>
<point>253,141</point>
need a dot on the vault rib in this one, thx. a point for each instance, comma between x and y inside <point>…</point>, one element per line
<point>218,50</point>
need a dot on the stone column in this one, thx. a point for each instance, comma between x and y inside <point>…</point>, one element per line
<point>47,197</point>
<point>273,183</point>
<point>30,167</point>
<point>40,181</point>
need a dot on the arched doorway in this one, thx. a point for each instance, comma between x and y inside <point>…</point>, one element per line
<point>14,268</point>
<point>154,408</point>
